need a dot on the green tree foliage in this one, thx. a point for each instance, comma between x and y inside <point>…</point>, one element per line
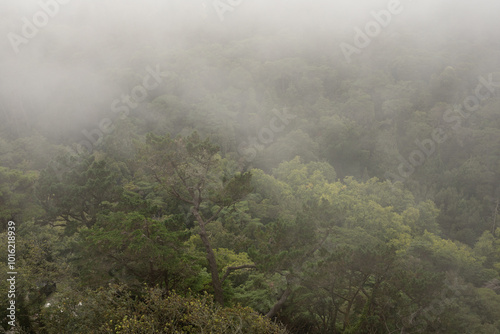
<point>130,248</point>
<point>42,266</point>
<point>74,197</point>
<point>115,310</point>
<point>16,195</point>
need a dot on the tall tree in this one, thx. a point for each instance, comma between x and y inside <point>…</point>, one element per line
<point>190,169</point>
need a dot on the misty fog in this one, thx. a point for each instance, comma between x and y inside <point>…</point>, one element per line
<point>64,78</point>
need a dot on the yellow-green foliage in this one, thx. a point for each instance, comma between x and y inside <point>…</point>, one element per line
<point>115,310</point>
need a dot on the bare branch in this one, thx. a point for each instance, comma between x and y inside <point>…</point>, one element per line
<point>229,270</point>
<point>215,215</point>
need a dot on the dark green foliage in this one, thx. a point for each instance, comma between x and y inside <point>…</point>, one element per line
<point>16,195</point>
<point>133,249</point>
<point>78,194</point>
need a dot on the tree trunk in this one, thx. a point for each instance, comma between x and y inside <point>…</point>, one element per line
<point>276,307</point>
<point>212,266</point>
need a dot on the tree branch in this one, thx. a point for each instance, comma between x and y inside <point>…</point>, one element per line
<point>214,215</point>
<point>229,270</point>
<point>179,196</point>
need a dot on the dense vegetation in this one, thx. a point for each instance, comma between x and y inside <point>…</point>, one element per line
<point>264,185</point>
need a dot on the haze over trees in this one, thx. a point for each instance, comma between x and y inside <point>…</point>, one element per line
<point>251,166</point>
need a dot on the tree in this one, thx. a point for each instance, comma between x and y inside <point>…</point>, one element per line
<point>285,246</point>
<point>16,195</point>
<point>75,199</point>
<point>189,168</point>
<point>133,249</point>
<point>42,267</point>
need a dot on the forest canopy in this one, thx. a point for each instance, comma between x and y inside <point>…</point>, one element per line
<point>250,167</point>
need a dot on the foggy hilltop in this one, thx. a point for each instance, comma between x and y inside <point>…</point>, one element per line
<point>237,166</point>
